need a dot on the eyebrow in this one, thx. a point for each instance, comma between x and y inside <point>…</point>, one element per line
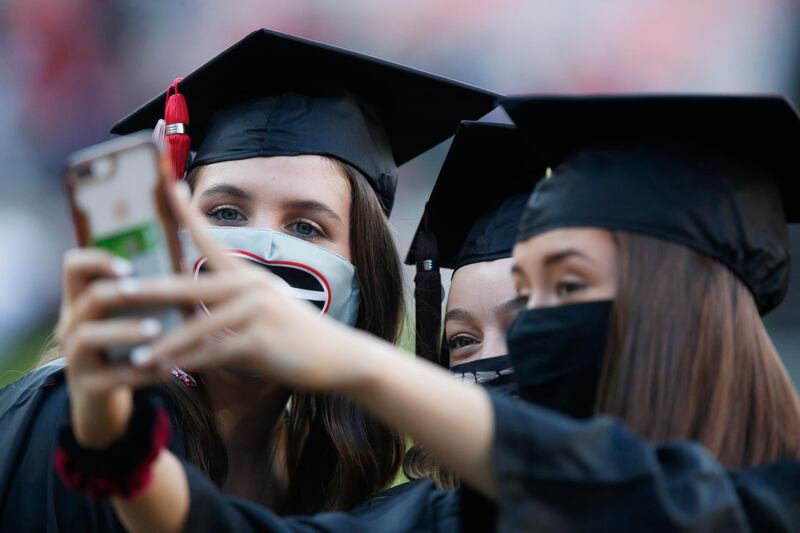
<point>511,306</point>
<point>459,314</point>
<point>225,188</point>
<point>313,205</point>
<point>564,254</point>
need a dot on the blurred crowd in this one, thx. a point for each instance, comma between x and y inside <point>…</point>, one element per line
<point>68,70</point>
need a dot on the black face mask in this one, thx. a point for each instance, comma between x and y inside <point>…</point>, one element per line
<point>557,354</point>
<point>496,373</point>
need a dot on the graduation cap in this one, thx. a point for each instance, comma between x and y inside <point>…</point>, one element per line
<point>719,174</point>
<point>275,94</point>
<point>471,216</point>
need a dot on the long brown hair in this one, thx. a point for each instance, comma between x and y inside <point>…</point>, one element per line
<point>688,357</point>
<point>336,455</point>
<point>419,464</point>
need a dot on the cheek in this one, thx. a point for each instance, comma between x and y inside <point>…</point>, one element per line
<point>342,243</point>
<point>610,287</point>
<point>340,246</point>
<point>601,285</point>
<point>609,281</point>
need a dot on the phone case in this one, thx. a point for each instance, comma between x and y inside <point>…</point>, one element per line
<point>134,178</point>
<point>118,201</point>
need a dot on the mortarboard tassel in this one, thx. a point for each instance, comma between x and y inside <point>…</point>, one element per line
<point>176,116</point>
<point>428,298</point>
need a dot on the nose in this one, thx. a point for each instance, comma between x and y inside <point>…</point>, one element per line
<point>494,344</point>
<point>540,298</point>
<point>265,219</point>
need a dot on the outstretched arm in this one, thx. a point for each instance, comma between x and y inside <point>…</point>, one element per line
<point>272,337</point>
<point>285,340</point>
<point>450,419</point>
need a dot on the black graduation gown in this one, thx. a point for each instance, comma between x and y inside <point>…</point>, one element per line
<point>33,498</point>
<point>553,473</point>
<point>558,474</point>
<point>412,507</point>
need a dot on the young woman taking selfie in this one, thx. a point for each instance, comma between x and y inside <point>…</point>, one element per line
<point>724,199</point>
<point>717,204</point>
<point>289,167</point>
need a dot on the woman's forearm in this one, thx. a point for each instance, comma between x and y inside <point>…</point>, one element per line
<point>452,420</point>
<point>164,504</point>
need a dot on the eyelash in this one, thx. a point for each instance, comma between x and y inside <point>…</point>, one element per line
<point>570,286</point>
<point>452,341</point>
<point>213,214</point>
<point>292,226</point>
<point>320,233</point>
<point>564,289</point>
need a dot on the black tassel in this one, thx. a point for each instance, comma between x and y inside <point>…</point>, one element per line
<point>428,299</point>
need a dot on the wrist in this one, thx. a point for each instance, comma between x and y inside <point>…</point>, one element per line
<point>123,468</point>
<point>100,419</point>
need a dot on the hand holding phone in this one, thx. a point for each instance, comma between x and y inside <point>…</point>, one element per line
<point>119,202</point>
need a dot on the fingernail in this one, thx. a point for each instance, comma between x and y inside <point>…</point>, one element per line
<point>128,286</point>
<point>183,191</point>
<point>141,355</point>
<point>121,267</point>
<point>150,327</point>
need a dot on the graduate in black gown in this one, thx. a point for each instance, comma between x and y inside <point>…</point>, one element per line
<point>268,96</point>
<point>708,184</point>
<point>475,241</point>
<point>545,470</point>
<point>691,197</point>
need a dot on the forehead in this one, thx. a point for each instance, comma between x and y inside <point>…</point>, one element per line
<point>483,285</point>
<point>304,175</point>
<point>593,242</point>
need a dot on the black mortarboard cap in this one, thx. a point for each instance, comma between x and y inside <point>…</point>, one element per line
<point>719,174</point>
<point>479,196</point>
<point>472,215</point>
<point>276,94</point>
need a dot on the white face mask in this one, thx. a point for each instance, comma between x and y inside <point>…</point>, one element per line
<point>311,273</point>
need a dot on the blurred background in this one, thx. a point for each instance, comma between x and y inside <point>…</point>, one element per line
<point>69,69</point>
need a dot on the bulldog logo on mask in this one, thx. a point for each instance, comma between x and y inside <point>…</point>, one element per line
<point>303,282</point>
<point>312,273</point>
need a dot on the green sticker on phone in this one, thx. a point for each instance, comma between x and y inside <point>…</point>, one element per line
<point>132,242</point>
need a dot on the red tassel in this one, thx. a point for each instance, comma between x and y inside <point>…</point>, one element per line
<point>176,115</point>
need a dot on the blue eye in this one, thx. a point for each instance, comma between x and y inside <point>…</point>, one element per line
<point>226,215</point>
<point>305,229</point>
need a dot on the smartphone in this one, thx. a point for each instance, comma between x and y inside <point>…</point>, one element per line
<point>119,202</point>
